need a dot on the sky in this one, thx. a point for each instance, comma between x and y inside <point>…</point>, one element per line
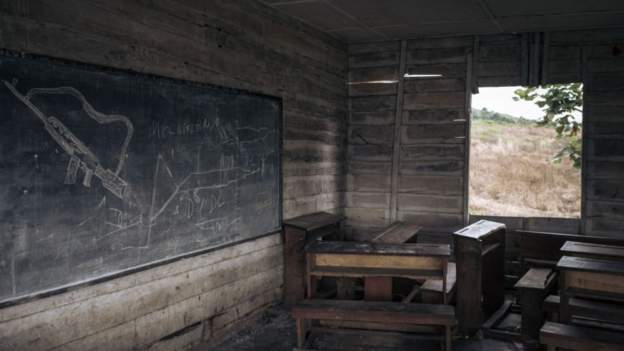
<point>500,100</point>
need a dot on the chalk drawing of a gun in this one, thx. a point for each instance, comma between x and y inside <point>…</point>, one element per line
<point>81,157</point>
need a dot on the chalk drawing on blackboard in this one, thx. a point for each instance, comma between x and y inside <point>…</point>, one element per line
<point>81,157</point>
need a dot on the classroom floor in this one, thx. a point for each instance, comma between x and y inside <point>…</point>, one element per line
<point>275,331</point>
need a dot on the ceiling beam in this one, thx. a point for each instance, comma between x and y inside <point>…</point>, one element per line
<point>490,15</point>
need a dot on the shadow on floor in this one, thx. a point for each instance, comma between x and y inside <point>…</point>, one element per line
<point>275,331</point>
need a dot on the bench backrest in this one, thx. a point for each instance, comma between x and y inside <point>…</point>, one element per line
<point>543,248</point>
<point>396,233</point>
<point>364,259</point>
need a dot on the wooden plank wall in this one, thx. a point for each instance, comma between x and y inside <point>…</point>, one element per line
<point>181,303</point>
<point>234,43</point>
<point>434,134</point>
<point>407,139</point>
<point>502,60</point>
<point>432,165</point>
<point>597,59</point>
<point>240,44</point>
<point>372,114</point>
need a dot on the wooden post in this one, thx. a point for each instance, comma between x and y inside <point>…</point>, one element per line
<point>444,277</point>
<point>533,288</point>
<point>397,136</point>
<point>564,300</point>
<point>300,333</point>
<point>378,289</point>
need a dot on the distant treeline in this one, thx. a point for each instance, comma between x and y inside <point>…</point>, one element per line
<point>485,114</point>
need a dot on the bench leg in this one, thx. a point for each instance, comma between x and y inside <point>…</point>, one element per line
<point>301,333</point>
<point>447,338</point>
<point>532,313</point>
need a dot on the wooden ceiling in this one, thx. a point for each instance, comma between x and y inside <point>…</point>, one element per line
<point>371,20</point>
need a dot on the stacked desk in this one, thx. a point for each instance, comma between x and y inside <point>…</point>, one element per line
<point>591,298</point>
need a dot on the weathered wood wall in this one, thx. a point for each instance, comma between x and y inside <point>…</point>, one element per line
<point>234,43</point>
<point>595,58</point>
<point>412,165</point>
<point>407,143</point>
<point>407,137</point>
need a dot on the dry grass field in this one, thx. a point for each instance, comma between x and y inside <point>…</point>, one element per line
<point>512,173</point>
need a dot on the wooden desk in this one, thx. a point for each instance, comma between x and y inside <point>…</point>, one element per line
<point>297,232</point>
<point>591,250</point>
<point>597,280</point>
<point>380,288</point>
<point>364,260</point>
<point>480,264</point>
<point>543,249</point>
<point>532,290</point>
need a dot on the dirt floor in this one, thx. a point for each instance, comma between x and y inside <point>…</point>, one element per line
<point>275,331</point>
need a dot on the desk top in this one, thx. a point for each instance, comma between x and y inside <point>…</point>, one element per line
<point>536,278</point>
<point>479,230</point>
<point>314,220</point>
<point>366,248</point>
<point>397,233</point>
<point>569,263</point>
<point>609,252</point>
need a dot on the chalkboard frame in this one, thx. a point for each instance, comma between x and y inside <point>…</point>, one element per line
<point>21,299</point>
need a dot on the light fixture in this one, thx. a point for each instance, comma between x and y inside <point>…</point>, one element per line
<point>419,75</point>
<point>375,82</point>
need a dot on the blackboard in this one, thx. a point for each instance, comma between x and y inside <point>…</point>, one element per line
<point>104,171</point>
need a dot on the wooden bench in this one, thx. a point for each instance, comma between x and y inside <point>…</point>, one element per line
<point>586,278</point>
<point>532,290</point>
<point>580,338</point>
<point>364,260</point>
<point>373,311</point>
